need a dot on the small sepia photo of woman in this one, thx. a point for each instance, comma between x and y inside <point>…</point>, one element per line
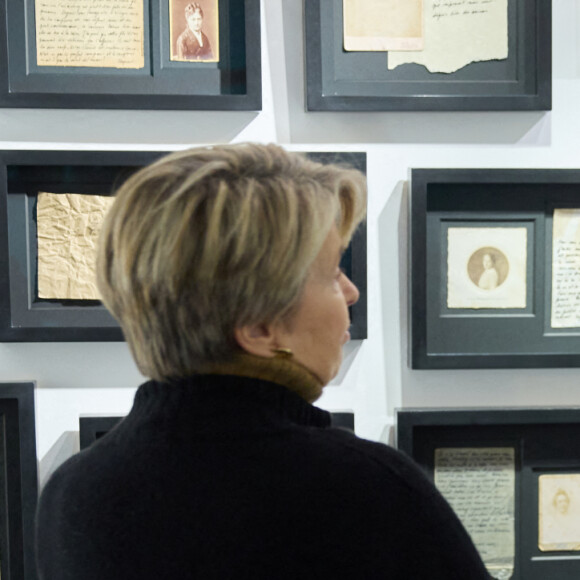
<point>194,30</point>
<point>559,512</point>
<point>488,268</point>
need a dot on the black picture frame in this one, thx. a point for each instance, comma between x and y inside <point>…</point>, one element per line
<point>94,427</point>
<point>354,260</point>
<point>233,83</point>
<point>18,481</point>
<point>26,318</point>
<point>337,80</point>
<point>546,441</point>
<point>522,337</point>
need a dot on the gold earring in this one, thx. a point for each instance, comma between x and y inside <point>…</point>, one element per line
<point>282,352</point>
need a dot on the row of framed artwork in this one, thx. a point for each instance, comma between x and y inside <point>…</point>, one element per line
<point>177,54</point>
<point>494,269</point>
<point>511,475</point>
<point>494,257</point>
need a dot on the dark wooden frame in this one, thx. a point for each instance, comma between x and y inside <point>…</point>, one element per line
<point>19,485</point>
<point>24,318</point>
<point>545,440</point>
<point>354,260</point>
<point>358,81</point>
<point>92,428</point>
<point>232,84</point>
<point>496,338</point>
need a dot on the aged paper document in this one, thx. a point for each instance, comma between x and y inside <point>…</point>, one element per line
<point>90,33</point>
<point>479,484</point>
<point>383,24</point>
<point>459,32</point>
<point>566,268</point>
<point>486,267</point>
<point>559,512</point>
<point>68,226</point>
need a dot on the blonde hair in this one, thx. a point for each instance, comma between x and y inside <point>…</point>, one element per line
<point>211,239</point>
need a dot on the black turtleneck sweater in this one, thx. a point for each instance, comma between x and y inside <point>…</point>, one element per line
<point>223,477</point>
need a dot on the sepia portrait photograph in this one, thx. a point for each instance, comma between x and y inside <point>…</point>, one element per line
<point>194,30</point>
<point>559,512</point>
<point>486,267</point>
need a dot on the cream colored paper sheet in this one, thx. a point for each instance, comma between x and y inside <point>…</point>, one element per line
<point>559,512</point>
<point>68,226</point>
<point>486,267</point>
<point>566,268</point>
<point>457,33</point>
<point>383,25</point>
<point>90,33</point>
<point>479,484</point>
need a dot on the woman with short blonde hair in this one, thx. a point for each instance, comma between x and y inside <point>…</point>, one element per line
<point>222,265</point>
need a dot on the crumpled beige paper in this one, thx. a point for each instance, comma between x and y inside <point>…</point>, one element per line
<point>68,226</point>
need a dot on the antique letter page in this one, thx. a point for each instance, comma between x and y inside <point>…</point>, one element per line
<point>90,33</point>
<point>559,512</point>
<point>383,24</point>
<point>479,484</point>
<point>566,268</point>
<point>459,32</point>
<point>68,226</point>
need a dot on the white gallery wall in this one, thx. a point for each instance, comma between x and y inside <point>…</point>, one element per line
<point>75,379</point>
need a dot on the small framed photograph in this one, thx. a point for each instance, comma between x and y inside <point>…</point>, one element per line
<point>486,267</point>
<point>559,512</point>
<point>194,30</point>
<point>494,270</point>
<point>512,477</point>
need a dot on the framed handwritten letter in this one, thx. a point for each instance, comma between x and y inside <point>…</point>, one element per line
<point>130,54</point>
<point>52,204</point>
<point>512,476</point>
<point>430,55</point>
<point>495,268</point>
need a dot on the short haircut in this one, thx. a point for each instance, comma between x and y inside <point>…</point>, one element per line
<point>192,8</point>
<point>211,239</point>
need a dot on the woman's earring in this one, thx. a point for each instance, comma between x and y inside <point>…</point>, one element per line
<point>282,352</point>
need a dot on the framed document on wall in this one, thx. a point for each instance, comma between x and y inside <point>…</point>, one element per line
<point>513,478</point>
<point>126,54</point>
<point>494,268</point>
<point>413,55</point>
<point>51,206</point>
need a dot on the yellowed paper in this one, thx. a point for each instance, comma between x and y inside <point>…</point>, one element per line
<point>566,268</point>
<point>559,512</point>
<point>457,33</point>
<point>479,484</point>
<point>194,32</point>
<point>68,226</point>
<point>90,33</point>
<point>383,24</point>
<point>486,267</point>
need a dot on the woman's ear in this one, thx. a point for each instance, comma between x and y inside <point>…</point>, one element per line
<point>258,339</point>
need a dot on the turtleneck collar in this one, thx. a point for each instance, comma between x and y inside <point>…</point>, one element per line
<point>281,370</point>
